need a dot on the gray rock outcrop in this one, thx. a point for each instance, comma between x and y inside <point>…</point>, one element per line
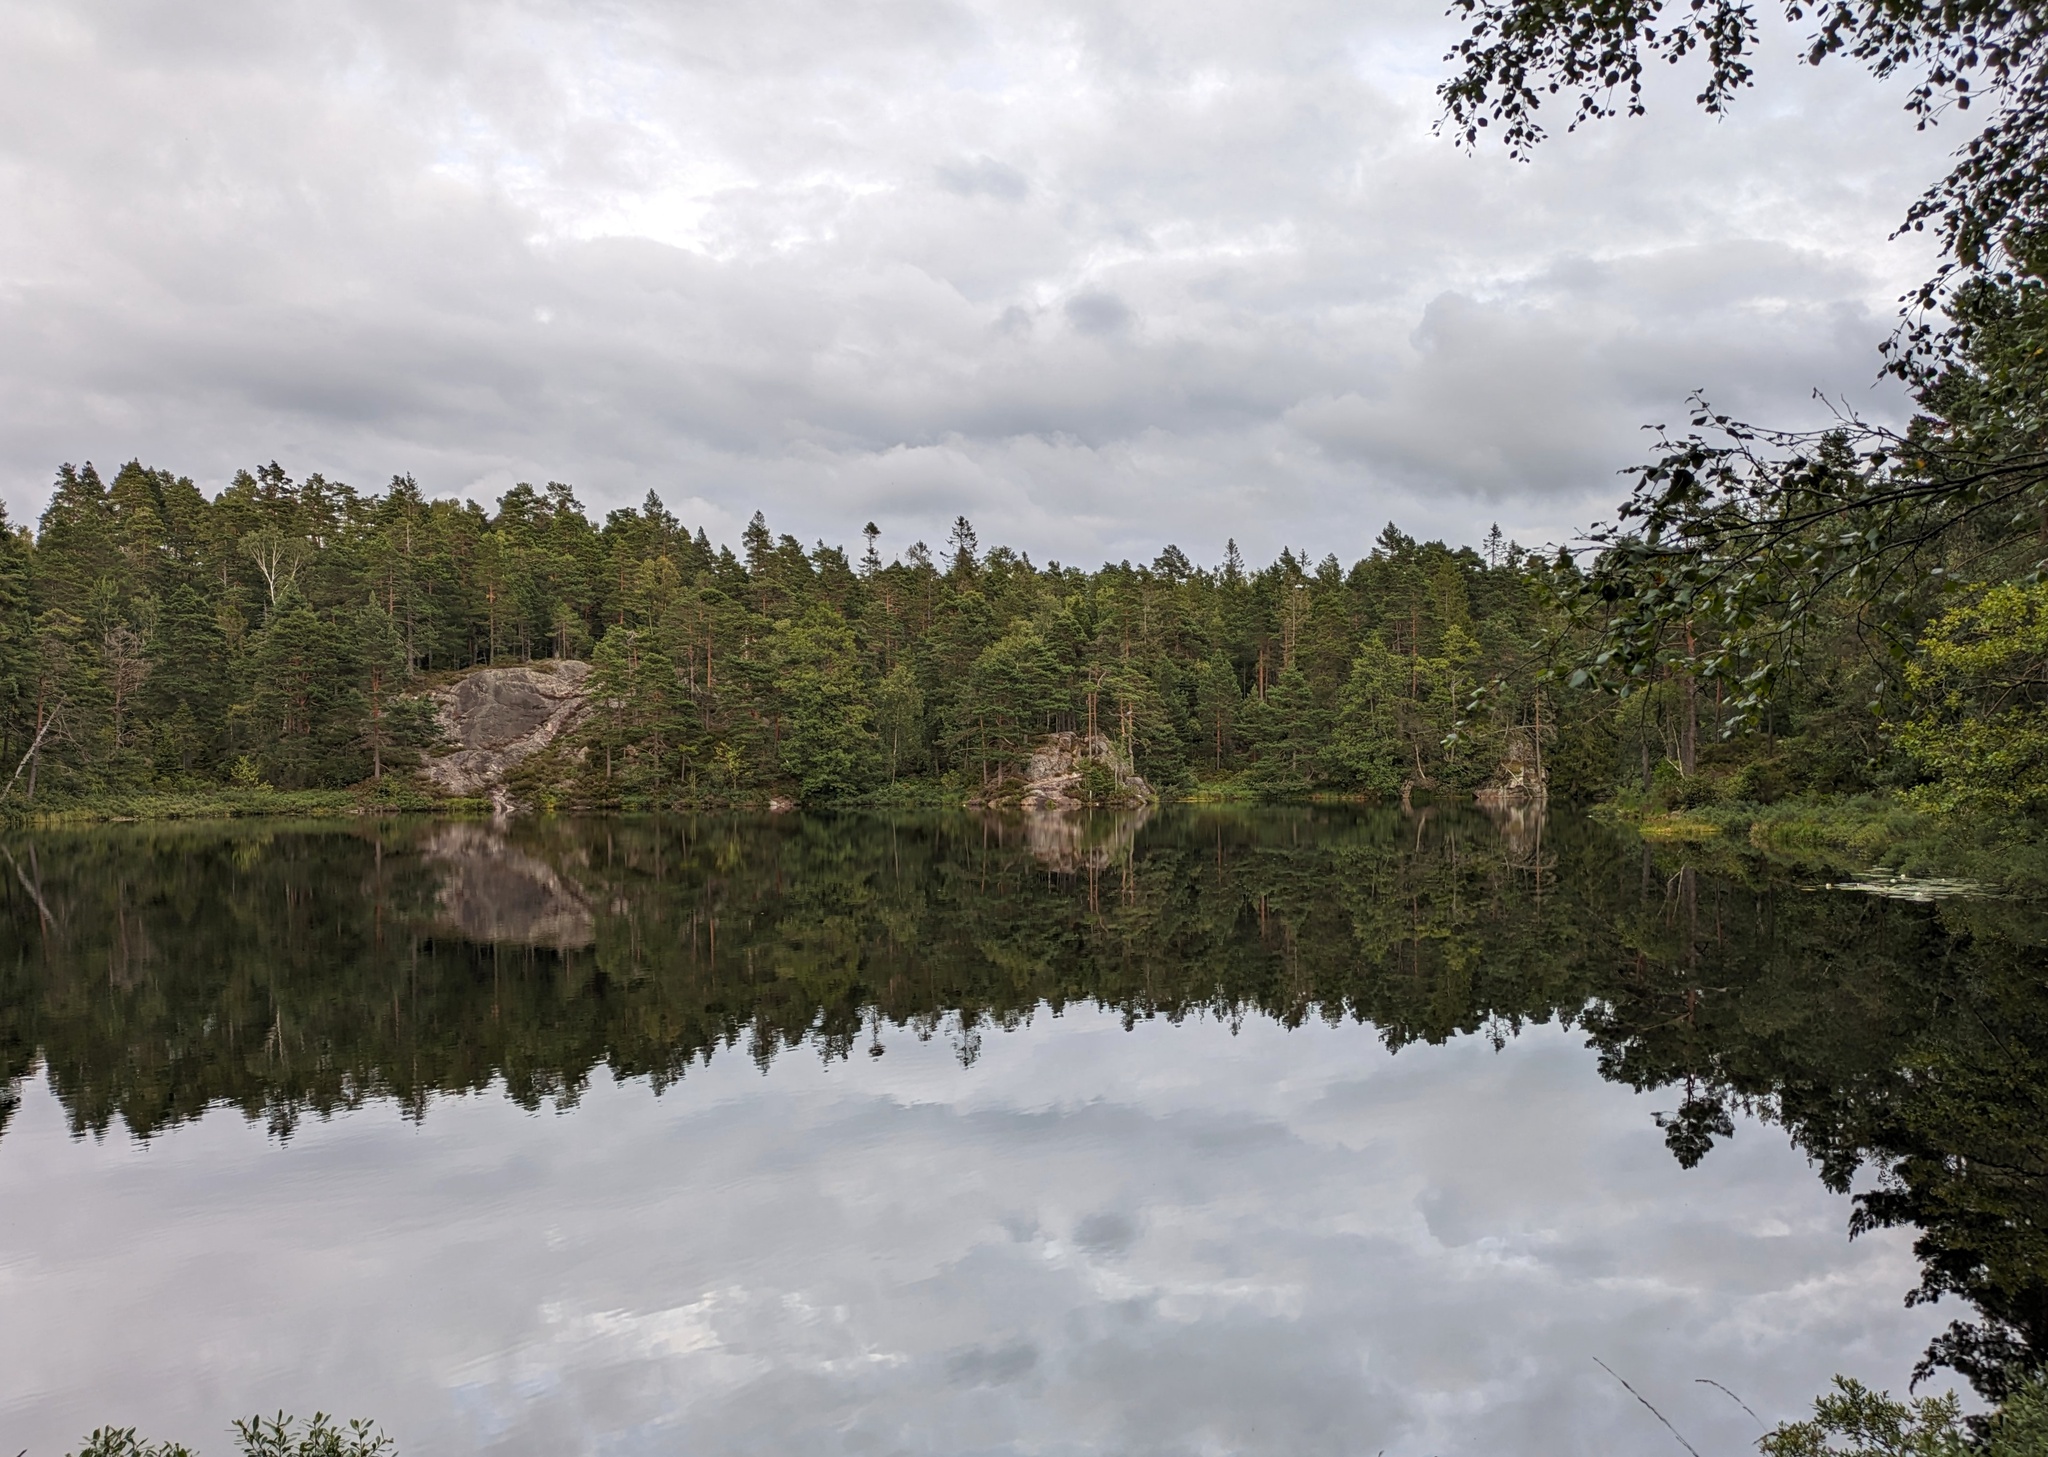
<point>497,717</point>
<point>1521,778</point>
<point>1057,778</point>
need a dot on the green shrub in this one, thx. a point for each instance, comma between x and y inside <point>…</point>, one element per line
<point>1854,1421</point>
<point>278,1436</point>
<point>122,1442</point>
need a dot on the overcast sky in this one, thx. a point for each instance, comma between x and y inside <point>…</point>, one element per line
<point>1100,276</point>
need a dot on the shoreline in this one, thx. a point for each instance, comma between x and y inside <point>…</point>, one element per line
<point>1849,832</point>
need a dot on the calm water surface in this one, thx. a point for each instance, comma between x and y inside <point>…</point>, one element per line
<point>1294,1132</point>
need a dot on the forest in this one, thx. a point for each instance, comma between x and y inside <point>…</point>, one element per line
<point>281,634</point>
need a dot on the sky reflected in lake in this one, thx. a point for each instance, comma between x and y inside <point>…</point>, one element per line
<point>1166,1239</point>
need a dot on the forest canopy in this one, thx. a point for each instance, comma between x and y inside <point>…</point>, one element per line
<point>281,633</point>
<point>287,633</point>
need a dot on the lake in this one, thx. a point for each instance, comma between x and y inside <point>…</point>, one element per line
<point>1293,1131</point>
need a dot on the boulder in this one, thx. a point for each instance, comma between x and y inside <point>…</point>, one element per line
<point>1056,776</point>
<point>1521,778</point>
<point>497,717</point>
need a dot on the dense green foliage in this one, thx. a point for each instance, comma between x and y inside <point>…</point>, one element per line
<point>1756,560</point>
<point>1854,1421</point>
<point>285,636</point>
<point>1838,594</point>
<point>281,633</point>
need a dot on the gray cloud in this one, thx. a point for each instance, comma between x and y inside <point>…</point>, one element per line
<point>1098,313</point>
<point>1536,377</point>
<point>983,176</point>
<point>1096,274</point>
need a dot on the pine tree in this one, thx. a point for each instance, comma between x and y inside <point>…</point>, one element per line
<point>302,721</point>
<point>899,718</point>
<point>1217,700</point>
<point>1367,742</point>
<point>828,742</point>
<point>1012,691</point>
<point>17,657</point>
<point>187,698</point>
<point>1290,734</point>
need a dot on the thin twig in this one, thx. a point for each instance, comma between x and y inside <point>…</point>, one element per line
<point>1710,1381</point>
<point>1647,1407</point>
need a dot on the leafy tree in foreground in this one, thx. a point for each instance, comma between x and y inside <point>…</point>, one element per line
<point>1745,556</point>
<point>1789,573</point>
<point>1980,684</point>
<point>1743,553</point>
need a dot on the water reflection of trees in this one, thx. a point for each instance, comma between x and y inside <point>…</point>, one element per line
<point>157,972</point>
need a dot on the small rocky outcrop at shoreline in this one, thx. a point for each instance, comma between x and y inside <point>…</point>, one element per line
<point>1070,771</point>
<point>499,717</point>
<point>1521,780</point>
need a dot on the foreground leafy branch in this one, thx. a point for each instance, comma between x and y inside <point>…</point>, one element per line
<point>1737,539</point>
<point>1591,55</point>
<point>1742,551</point>
<point>1854,1421</point>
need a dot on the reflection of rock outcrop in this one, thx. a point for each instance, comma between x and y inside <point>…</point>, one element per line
<point>494,893</point>
<point>1521,832</point>
<point>498,716</point>
<point>1068,842</point>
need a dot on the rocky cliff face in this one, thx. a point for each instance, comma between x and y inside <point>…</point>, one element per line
<point>1068,771</point>
<point>497,717</point>
<point>1521,778</point>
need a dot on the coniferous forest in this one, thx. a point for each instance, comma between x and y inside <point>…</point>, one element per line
<point>281,634</point>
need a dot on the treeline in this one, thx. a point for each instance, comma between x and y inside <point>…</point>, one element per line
<point>285,633</point>
<point>281,633</point>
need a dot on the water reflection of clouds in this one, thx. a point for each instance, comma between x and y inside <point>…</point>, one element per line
<point>1164,1241</point>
